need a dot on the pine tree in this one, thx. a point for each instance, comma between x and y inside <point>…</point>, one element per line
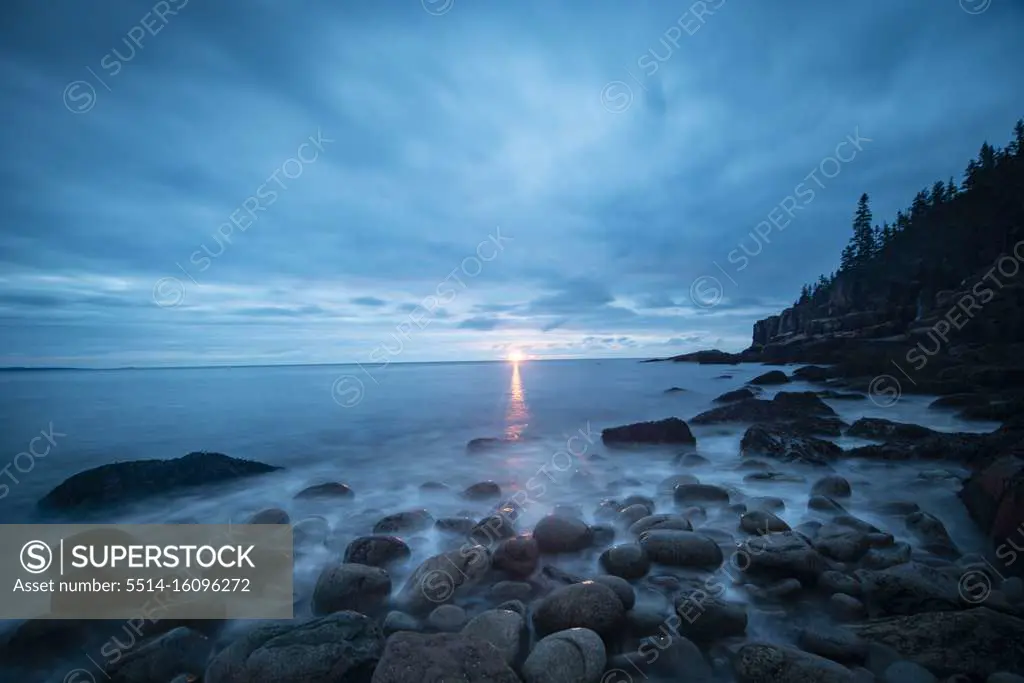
<point>951,190</point>
<point>1016,146</point>
<point>938,196</point>
<point>848,259</point>
<point>863,233</point>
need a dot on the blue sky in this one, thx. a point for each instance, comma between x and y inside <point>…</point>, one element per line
<point>271,182</point>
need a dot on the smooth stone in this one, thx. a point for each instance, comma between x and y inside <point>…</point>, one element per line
<point>585,605</point>
<point>517,557</point>
<point>415,657</point>
<point>502,628</point>
<point>832,486</point>
<point>681,548</point>
<point>447,618</point>
<point>628,561</point>
<point>907,672</point>
<point>621,587</point>
<point>555,534</point>
<point>660,521</point>
<point>766,663</point>
<point>355,587</point>
<point>377,551</point>
<point>574,655</point>
<point>329,490</point>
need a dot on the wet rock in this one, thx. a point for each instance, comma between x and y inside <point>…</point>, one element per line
<point>355,587</point>
<point>555,534</point>
<point>603,535</point>
<point>433,486</point>
<point>785,555</point>
<point>780,444</point>
<point>669,431</point>
<point>491,530</point>
<point>705,618</point>
<point>439,578</point>
<point>825,504</point>
<point>674,390</point>
<point>898,508</point>
<point>781,590</point>
<point>909,588</point>
<point>447,618</point>
<point>994,498</point>
<point>633,513</point>
<point>270,516</point>
<point>377,551</point>
<point>812,373</point>
<point>802,412</point>
<point>344,646</point>
<point>761,522</point>
<point>841,543</point>
<point>878,429</point>
<point>693,460</point>
<point>179,651</point>
<point>681,548</point>
<point>764,663</point>
<point>501,628</point>
<point>608,509</point>
<point>484,444</point>
<point>628,561</point>
<point>662,521</point>
<point>836,644</point>
<point>774,477</point>
<point>770,377</point>
<point>976,642</point>
<point>845,607</point>
<point>735,395</point>
<point>572,656</point>
<point>414,658</point>
<point>700,494</point>
<point>907,672</point>
<point>621,587</point>
<point>511,590</point>
<point>329,490</point>
<point>122,482</point>
<point>518,557</point>
<point>669,654</point>
<point>400,621</point>
<point>931,531</point>
<point>668,485</point>
<point>832,486</point>
<point>884,558</point>
<point>581,605</point>
<point>516,606</point>
<point>409,521</point>
<point>484,490</point>
<point>837,582</point>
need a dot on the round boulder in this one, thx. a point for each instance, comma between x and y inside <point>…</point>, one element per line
<point>681,549</point>
<point>580,605</point>
<point>355,587</point>
<point>329,490</point>
<point>575,655</point>
<point>556,534</point>
<point>377,551</point>
<point>628,561</point>
<point>517,557</point>
<point>832,486</point>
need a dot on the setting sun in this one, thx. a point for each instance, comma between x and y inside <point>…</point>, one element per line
<point>515,356</point>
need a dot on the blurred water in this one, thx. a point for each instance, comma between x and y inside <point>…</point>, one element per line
<point>409,424</point>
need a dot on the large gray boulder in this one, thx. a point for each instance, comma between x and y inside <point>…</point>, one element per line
<point>668,431</point>
<point>502,628</point>
<point>561,534</point>
<point>575,655</point>
<point>909,588</point>
<point>355,587</point>
<point>976,642</point>
<point>588,604</point>
<point>439,578</point>
<point>123,482</point>
<point>377,551</point>
<point>441,657</point>
<point>765,663</point>
<point>681,548</point>
<point>343,647</point>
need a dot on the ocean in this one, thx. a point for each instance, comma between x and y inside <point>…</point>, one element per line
<point>386,432</point>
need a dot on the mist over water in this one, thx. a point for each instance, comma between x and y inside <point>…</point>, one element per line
<point>412,426</point>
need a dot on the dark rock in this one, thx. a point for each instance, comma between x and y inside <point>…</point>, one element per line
<point>959,401</point>
<point>179,651</point>
<point>976,642</point>
<point>669,431</point>
<point>433,486</point>
<point>484,490</point>
<point>343,647</point>
<point>667,486</point>
<point>770,377</point>
<point>628,561</point>
<point>784,555</point>
<point>633,513</point>
<point>603,535</point>
<point>441,577</point>
<point>417,658</point>
<point>270,516</point>
<point>773,442</point>
<point>825,504</point>
<point>329,490</point>
<point>812,373</point>
<point>461,526</point>
<point>662,521</point>
<point>804,411</point>
<point>994,498</point>
<point>621,587</point>
<point>517,557</point>
<point>355,587</point>
<point>886,430</point>
<point>832,486</point>
<point>555,534</point>
<point>122,482</point>
<point>400,621</point>
<point>502,628</point>
<point>674,390</point>
<point>491,530</point>
<point>836,644</point>
<point>511,590</point>
<point>761,522</point>
<point>765,663</point>
<point>692,460</point>
<point>769,503</point>
<point>486,443</point>
<point>573,655</point>
<point>883,558</point>
<point>831,582</point>
<point>409,521</point>
<point>447,618</point>
<point>930,530</point>
<point>700,494</point>
<point>844,607</point>
<point>908,588</point>
<point>377,551</point>
<point>706,618</point>
<point>681,549</point>
<point>581,605</point>
<point>735,395</point>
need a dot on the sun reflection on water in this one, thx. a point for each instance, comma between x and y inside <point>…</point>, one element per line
<point>517,414</point>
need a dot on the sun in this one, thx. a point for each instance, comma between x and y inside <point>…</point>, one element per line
<point>515,356</point>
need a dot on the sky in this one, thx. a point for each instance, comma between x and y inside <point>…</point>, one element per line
<point>190,183</point>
